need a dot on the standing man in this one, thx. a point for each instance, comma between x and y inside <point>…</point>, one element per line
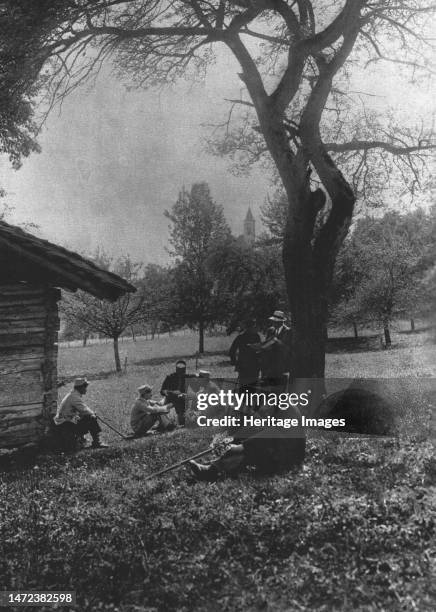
<point>174,389</point>
<point>244,357</point>
<point>74,415</point>
<point>275,354</point>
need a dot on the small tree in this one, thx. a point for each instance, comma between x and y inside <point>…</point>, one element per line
<point>156,286</point>
<point>381,270</point>
<point>198,228</point>
<point>110,319</point>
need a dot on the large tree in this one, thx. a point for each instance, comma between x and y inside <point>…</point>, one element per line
<point>198,230</point>
<point>295,58</point>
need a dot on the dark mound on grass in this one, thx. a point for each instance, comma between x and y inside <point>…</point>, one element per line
<point>365,412</point>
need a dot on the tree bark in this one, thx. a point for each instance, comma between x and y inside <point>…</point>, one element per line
<point>356,335</point>
<point>412,324</point>
<point>309,264</point>
<point>85,338</point>
<point>117,354</point>
<point>387,334</point>
<point>201,336</point>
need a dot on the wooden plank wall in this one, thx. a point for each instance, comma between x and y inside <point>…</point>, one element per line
<point>29,326</point>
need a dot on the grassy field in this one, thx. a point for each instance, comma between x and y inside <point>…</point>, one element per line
<point>112,395</point>
<point>354,529</point>
<point>99,358</point>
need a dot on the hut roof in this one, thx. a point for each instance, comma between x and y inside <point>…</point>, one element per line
<point>32,259</point>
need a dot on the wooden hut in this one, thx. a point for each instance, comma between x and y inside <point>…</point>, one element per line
<point>32,271</point>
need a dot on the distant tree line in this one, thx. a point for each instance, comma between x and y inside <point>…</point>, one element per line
<point>385,269</point>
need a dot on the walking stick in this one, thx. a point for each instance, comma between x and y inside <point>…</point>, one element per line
<point>179,464</point>
<point>113,428</point>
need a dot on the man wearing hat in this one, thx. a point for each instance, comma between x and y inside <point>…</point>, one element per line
<point>174,389</point>
<point>146,412</point>
<point>275,353</point>
<point>74,415</point>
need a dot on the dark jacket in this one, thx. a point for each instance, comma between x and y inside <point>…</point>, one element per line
<point>244,357</point>
<point>281,450</point>
<point>275,354</point>
<point>175,387</point>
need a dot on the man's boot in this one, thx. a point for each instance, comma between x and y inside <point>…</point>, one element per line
<point>97,443</point>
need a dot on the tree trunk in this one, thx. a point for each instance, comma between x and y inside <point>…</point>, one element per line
<point>201,336</point>
<point>356,335</point>
<point>117,354</point>
<point>412,324</point>
<point>387,334</point>
<point>309,256</point>
<point>133,334</point>
<point>85,338</point>
<point>310,244</point>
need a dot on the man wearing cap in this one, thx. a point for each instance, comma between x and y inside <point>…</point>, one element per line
<point>174,390</point>
<point>146,412</point>
<point>74,415</point>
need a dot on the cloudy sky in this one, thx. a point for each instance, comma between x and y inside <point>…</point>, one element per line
<point>112,160</point>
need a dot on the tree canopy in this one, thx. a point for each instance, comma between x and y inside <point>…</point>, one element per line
<point>198,231</point>
<point>297,100</point>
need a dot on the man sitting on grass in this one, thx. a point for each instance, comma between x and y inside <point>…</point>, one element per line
<point>75,418</point>
<point>147,412</point>
<point>270,450</point>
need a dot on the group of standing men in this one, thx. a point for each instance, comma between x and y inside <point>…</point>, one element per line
<point>266,363</point>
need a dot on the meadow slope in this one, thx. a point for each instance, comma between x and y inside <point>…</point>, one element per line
<point>353,529</point>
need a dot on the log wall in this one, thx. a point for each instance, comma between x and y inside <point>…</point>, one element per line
<point>29,324</point>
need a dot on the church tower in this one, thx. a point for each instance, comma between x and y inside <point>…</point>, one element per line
<point>249,228</point>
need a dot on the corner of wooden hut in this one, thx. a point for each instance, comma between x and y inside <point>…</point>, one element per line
<point>32,272</point>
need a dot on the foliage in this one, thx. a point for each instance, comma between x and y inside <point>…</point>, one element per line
<point>250,278</point>
<point>296,63</point>
<point>155,286</point>
<point>198,231</point>
<point>381,269</point>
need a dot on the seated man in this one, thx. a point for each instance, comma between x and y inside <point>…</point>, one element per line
<point>174,389</point>
<point>271,450</point>
<point>147,412</point>
<point>75,417</point>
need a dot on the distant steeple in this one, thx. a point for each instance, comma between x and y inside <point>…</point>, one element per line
<point>249,228</point>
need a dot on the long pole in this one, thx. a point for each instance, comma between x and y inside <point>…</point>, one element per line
<point>113,428</point>
<point>177,465</point>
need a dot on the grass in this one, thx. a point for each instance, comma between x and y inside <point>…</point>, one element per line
<point>354,529</point>
<point>97,358</point>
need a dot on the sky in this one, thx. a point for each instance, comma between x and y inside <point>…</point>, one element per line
<point>113,160</point>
